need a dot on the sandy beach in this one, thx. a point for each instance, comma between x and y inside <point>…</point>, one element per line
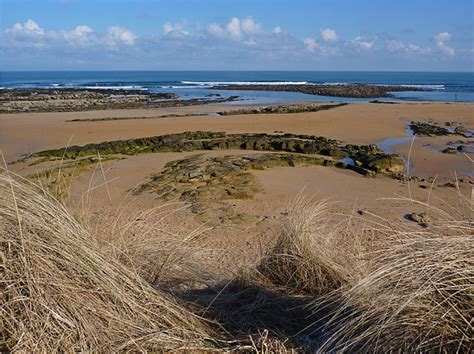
<point>357,123</point>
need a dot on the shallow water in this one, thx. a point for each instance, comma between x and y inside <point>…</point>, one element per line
<point>348,161</point>
<point>388,145</point>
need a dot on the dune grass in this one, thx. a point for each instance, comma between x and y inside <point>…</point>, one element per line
<point>330,283</point>
<point>406,290</point>
<point>62,292</point>
<point>314,253</point>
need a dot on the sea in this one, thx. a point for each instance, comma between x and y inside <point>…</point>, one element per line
<point>440,86</point>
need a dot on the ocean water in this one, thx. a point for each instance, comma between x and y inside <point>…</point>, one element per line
<point>441,86</point>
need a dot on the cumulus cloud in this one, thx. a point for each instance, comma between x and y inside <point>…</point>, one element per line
<point>29,28</point>
<point>363,42</point>
<point>310,44</point>
<point>80,35</point>
<point>328,34</point>
<point>235,29</point>
<point>117,35</point>
<point>32,35</point>
<point>168,27</point>
<point>249,26</point>
<point>441,39</point>
<point>216,30</point>
<point>277,30</point>
<point>394,45</point>
<point>239,40</point>
<point>177,29</point>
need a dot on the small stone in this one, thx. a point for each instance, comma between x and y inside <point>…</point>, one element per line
<point>421,219</point>
<point>460,130</point>
<point>449,150</point>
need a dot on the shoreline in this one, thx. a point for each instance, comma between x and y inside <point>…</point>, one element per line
<point>363,122</point>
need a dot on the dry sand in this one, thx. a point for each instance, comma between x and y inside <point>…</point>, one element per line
<point>360,123</point>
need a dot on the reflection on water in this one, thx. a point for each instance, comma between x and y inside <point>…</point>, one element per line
<point>347,161</point>
<point>388,145</point>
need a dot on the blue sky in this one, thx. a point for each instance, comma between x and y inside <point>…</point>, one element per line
<point>435,35</point>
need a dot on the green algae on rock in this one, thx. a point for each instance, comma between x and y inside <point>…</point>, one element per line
<point>368,157</point>
<point>290,108</point>
<point>208,182</point>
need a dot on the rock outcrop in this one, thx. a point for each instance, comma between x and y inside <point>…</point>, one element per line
<point>67,100</point>
<point>293,108</point>
<point>350,90</point>
<point>366,157</point>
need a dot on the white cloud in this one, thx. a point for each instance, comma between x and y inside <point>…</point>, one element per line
<point>363,42</point>
<point>250,42</point>
<point>394,45</point>
<point>238,38</point>
<point>116,34</point>
<point>216,30</point>
<point>176,29</point>
<point>249,26</point>
<point>440,40</point>
<point>168,27</point>
<point>80,35</point>
<point>29,28</point>
<point>310,44</point>
<point>233,28</point>
<point>328,34</point>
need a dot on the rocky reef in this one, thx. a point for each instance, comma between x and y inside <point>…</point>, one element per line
<point>293,108</point>
<point>67,100</point>
<point>104,119</point>
<point>349,91</point>
<point>367,159</point>
<point>207,183</point>
<point>428,129</point>
<point>432,129</point>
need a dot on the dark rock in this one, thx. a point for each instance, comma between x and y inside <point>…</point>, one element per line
<point>449,150</point>
<point>294,108</point>
<point>421,219</point>
<point>460,130</point>
<point>66,100</point>
<point>366,157</point>
<point>350,90</point>
<point>427,129</point>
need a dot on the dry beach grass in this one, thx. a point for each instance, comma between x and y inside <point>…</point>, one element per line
<point>408,291</point>
<point>61,291</point>
<point>330,282</point>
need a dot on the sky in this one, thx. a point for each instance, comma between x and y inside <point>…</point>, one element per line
<point>353,35</point>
